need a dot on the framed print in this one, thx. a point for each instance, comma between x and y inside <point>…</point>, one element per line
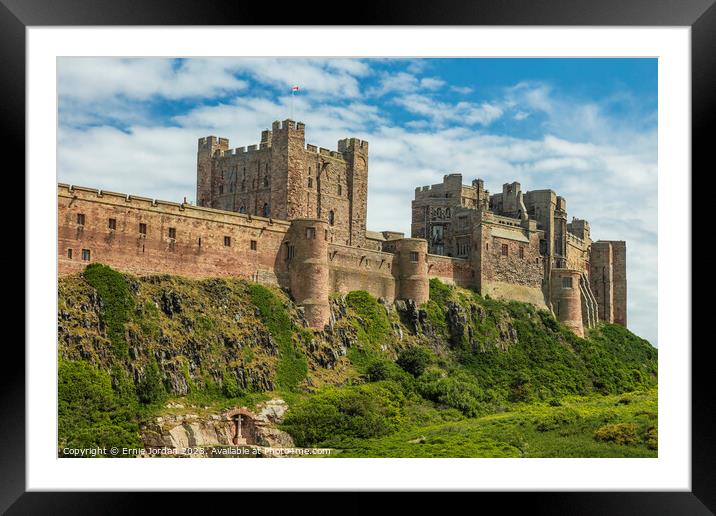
<point>390,255</point>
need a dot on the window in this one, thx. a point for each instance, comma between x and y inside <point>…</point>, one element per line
<point>340,189</point>
<point>504,250</point>
<point>310,182</point>
<point>199,241</point>
<point>221,189</point>
<point>266,210</point>
<point>266,182</point>
<point>80,219</point>
<point>227,241</point>
<point>113,224</point>
<point>69,254</point>
<point>567,282</point>
<point>143,229</point>
<point>290,251</point>
<point>310,233</point>
<point>331,217</point>
<point>172,233</point>
<point>86,255</point>
<point>522,252</point>
<point>253,245</point>
<point>414,256</point>
<point>487,246</point>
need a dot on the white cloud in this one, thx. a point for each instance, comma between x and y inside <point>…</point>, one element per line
<point>92,79</point>
<point>463,90</point>
<point>441,112</point>
<point>431,83</point>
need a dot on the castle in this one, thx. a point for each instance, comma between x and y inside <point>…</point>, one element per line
<point>292,214</point>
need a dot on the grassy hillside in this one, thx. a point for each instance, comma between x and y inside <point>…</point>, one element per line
<point>128,345</point>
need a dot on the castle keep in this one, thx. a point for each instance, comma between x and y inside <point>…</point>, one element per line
<point>292,214</point>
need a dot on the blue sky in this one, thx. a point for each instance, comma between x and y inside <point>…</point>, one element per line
<point>586,128</point>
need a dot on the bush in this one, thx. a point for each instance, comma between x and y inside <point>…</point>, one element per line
<point>458,390</point>
<point>331,414</point>
<point>414,360</point>
<point>230,387</point>
<point>619,433</point>
<point>557,419</point>
<point>90,412</point>
<point>151,389</point>
<point>378,370</point>
<point>117,302</point>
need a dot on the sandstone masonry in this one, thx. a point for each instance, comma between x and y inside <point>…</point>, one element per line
<point>292,214</point>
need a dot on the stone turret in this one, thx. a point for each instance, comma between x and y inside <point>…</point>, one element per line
<point>308,269</point>
<point>566,299</point>
<point>412,270</point>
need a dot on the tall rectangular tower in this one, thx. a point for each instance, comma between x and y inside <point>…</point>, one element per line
<point>284,178</point>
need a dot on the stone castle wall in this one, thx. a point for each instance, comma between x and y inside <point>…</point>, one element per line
<point>144,236</point>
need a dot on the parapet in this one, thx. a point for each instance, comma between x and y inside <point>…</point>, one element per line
<point>287,125</point>
<point>213,142</point>
<point>352,144</point>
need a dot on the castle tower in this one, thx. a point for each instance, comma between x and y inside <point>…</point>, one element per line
<point>288,196</point>
<point>208,147</point>
<point>308,269</point>
<point>412,270</point>
<point>355,153</point>
<point>566,299</point>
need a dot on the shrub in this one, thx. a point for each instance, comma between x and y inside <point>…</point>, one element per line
<point>378,370</point>
<point>151,389</point>
<point>230,388</point>
<point>117,302</point>
<point>414,360</point>
<point>556,419</point>
<point>332,414</point>
<point>90,412</point>
<point>458,390</point>
<point>619,433</point>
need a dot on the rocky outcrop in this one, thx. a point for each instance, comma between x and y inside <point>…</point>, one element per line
<point>190,430</point>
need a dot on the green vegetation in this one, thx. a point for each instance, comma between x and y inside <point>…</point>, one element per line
<point>528,430</point>
<point>117,302</point>
<point>91,413</point>
<point>292,366</point>
<point>473,377</point>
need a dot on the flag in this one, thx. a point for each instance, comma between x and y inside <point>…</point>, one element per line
<point>295,88</point>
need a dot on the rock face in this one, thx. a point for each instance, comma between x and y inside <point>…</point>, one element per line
<point>191,430</point>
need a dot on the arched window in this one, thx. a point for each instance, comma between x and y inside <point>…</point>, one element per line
<point>266,210</point>
<point>331,217</point>
<point>310,182</point>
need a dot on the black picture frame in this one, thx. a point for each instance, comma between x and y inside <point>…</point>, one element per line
<point>700,15</point>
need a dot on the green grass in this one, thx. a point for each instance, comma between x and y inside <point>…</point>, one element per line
<point>292,366</point>
<point>529,430</point>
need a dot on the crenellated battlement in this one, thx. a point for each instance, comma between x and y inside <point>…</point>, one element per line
<point>352,144</point>
<point>287,125</point>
